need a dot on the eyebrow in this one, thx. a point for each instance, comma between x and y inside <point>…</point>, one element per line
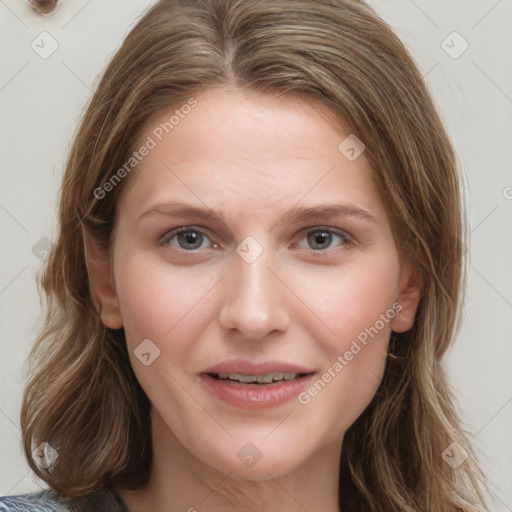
<point>298,214</point>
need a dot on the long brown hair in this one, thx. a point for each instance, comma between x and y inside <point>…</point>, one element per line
<point>82,397</point>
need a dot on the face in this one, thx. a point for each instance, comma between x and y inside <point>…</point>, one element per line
<point>249,247</point>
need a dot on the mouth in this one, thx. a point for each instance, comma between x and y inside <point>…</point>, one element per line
<point>248,385</point>
<point>265,379</point>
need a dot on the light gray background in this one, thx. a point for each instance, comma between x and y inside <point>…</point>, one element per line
<point>40,104</point>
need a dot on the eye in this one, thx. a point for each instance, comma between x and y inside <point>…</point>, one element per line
<point>190,239</point>
<point>320,239</point>
<point>187,238</point>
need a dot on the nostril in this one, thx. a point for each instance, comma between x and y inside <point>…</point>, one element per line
<point>43,6</point>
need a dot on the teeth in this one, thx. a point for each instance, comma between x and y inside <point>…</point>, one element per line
<point>242,378</point>
<point>260,379</point>
<point>265,379</point>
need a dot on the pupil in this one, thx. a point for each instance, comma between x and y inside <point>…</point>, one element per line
<point>321,237</point>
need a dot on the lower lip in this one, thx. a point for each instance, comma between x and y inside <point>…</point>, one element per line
<point>255,396</point>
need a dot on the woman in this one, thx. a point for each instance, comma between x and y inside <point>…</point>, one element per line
<point>258,270</point>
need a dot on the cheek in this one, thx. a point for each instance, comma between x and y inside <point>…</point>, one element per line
<point>359,309</point>
<point>157,300</point>
<point>352,300</point>
<point>162,305</point>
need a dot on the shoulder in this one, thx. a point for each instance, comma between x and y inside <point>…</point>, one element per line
<point>47,500</point>
<point>41,501</point>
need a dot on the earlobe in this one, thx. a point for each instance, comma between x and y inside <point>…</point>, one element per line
<point>101,283</point>
<point>409,295</point>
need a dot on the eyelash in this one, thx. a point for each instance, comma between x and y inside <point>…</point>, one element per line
<point>346,239</point>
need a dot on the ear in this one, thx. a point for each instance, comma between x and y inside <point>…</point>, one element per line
<point>409,294</point>
<point>101,283</point>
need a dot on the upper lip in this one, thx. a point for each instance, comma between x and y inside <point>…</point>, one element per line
<point>246,367</point>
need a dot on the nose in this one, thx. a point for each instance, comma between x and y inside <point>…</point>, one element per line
<point>255,299</point>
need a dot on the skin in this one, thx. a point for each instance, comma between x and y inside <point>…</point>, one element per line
<point>250,159</point>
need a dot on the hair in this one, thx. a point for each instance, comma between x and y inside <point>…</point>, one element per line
<point>82,396</point>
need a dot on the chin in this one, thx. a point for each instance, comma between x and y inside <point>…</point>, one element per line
<point>256,458</point>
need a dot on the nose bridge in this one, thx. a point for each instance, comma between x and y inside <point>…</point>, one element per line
<point>254,301</point>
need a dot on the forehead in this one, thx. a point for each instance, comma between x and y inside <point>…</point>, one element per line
<point>255,151</point>
<point>275,125</point>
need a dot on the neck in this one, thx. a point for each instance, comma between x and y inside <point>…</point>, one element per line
<point>180,482</point>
